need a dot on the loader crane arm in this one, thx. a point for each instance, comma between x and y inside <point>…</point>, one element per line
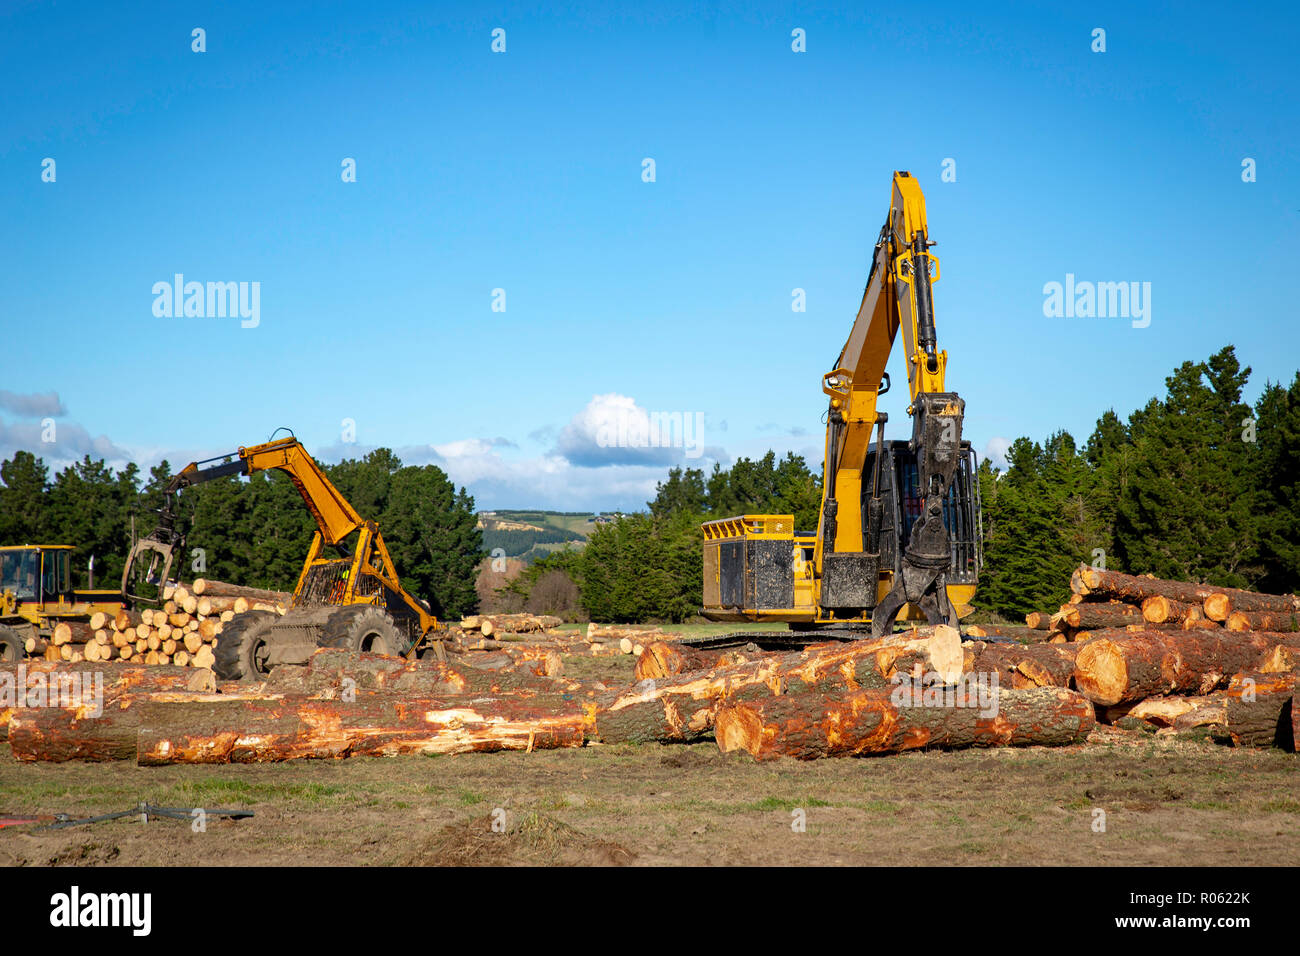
<point>362,576</point>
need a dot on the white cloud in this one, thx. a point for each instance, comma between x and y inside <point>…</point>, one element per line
<point>59,444</point>
<point>995,452</point>
<point>34,405</point>
<point>614,430</point>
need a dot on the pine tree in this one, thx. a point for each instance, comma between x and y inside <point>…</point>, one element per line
<point>1189,512</point>
<point>1275,472</point>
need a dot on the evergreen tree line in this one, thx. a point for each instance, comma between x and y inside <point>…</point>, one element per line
<point>252,531</point>
<point>1194,486</point>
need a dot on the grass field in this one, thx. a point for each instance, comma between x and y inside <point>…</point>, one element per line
<point>1166,802</point>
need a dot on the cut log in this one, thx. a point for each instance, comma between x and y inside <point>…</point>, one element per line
<point>667,658</point>
<point>868,722</point>
<point>1218,602</point>
<point>616,632</point>
<point>1018,666</point>
<point>1038,620</point>
<point>1263,621</point>
<point>1159,609</point>
<point>681,708</point>
<point>71,632</point>
<point>1179,713</point>
<point>1090,617</point>
<point>1111,670</point>
<point>51,681</point>
<point>1022,633</point>
<point>206,587</point>
<point>257,731</point>
<point>1258,710</point>
<point>1197,621</point>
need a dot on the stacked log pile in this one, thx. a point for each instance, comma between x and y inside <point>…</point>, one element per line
<point>496,632</point>
<point>1198,656</point>
<point>182,632</point>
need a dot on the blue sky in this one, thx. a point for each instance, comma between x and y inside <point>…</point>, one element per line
<point>522,171</point>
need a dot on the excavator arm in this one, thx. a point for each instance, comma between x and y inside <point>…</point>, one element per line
<point>898,295</point>
<point>336,519</point>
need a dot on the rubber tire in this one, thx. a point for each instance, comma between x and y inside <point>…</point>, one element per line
<point>238,643</point>
<point>363,628</point>
<point>12,647</point>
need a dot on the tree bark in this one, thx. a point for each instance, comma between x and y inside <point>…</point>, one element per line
<point>667,658</point>
<point>330,669</point>
<point>1263,621</point>
<point>1259,710</point>
<point>257,731</point>
<point>635,632</point>
<point>866,722</point>
<point>1159,609</point>
<point>681,708</point>
<point>209,588</point>
<point>1218,602</point>
<point>1018,666</point>
<point>1023,634</point>
<point>1092,616</point>
<point>1112,670</point>
<point>1180,713</point>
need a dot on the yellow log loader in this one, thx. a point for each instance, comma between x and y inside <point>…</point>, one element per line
<point>899,529</point>
<point>351,598</point>
<point>36,595</point>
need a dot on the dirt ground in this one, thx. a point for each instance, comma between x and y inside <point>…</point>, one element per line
<point>1166,801</point>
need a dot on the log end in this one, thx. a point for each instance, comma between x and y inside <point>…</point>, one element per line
<point>1101,672</point>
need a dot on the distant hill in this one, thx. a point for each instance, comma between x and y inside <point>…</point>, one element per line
<point>529,535</point>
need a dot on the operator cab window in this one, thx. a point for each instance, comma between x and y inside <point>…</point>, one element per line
<point>18,573</point>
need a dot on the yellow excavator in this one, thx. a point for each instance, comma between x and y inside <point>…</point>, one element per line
<point>899,533</point>
<point>353,600</point>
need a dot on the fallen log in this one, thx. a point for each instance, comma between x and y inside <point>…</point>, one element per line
<point>59,734</point>
<point>45,686</point>
<point>616,632</point>
<point>666,658</point>
<point>681,708</point>
<point>1038,620</point>
<point>1258,708</point>
<point>1218,602</point>
<point>1263,621</point>
<point>1024,634</point>
<point>1090,617</point>
<point>258,731</point>
<point>1159,609</point>
<point>1111,670</point>
<point>1178,713</point>
<point>210,588</point>
<point>868,722</point>
<point>1021,666</point>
